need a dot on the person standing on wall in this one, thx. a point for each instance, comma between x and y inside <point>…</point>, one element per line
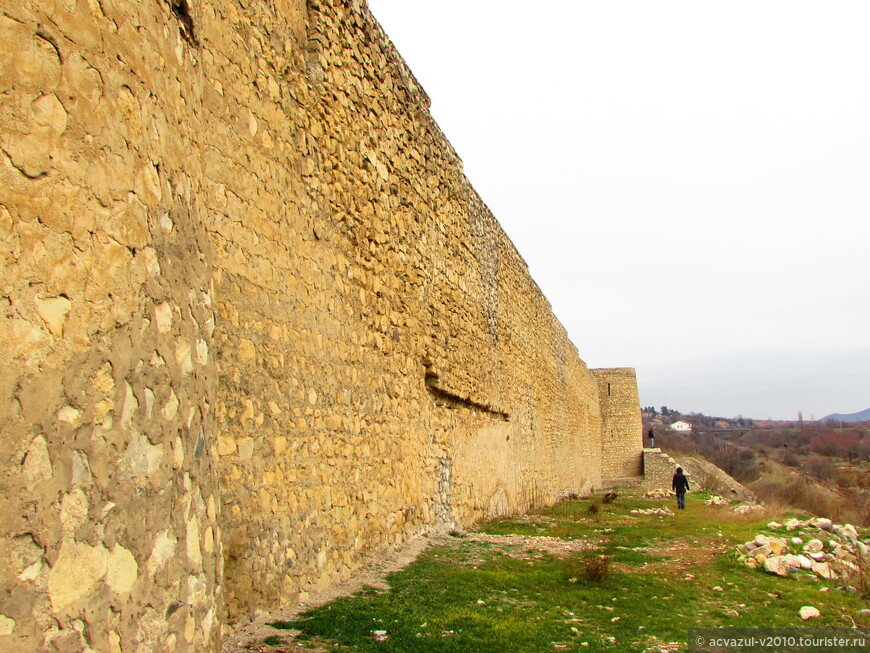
<point>680,485</point>
<point>652,438</point>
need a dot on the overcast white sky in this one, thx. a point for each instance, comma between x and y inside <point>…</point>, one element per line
<point>689,182</point>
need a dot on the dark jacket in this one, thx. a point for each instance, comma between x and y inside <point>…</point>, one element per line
<point>680,483</point>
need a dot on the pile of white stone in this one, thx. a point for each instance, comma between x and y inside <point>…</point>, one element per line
<point>746,508</point>
<point>660,493</point>
<point>667,512</point>
<point>842,555</point>
<point>716,500</point>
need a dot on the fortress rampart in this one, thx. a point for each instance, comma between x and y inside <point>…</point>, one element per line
<point>257,326</point>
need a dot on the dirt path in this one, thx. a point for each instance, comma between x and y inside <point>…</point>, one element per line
<point>682,557</point>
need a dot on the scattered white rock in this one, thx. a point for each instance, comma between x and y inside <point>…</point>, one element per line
<point>746,508</point>
<point>778,546</point>
<point>814,546</point>
<point>667,512</point>
<point>843,557</point>
<point>805,563</point>
<point>823,570</point>
<point>809,612</point>
<point>777,565</point>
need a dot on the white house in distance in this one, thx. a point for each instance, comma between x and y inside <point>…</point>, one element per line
<point>681,426</point>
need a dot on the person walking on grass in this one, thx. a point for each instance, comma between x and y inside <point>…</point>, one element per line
<point>680,485</point>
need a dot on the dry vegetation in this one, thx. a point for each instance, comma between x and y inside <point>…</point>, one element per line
<point>820,468</point>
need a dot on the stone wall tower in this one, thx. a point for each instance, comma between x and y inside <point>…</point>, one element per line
<point>621,425</point>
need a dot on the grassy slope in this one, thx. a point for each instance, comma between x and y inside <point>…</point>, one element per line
<point>667,574</point>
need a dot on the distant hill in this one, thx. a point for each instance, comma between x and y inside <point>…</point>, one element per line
<point>863,416</point>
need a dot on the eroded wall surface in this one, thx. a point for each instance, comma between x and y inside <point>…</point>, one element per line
<point>387,363</point>
<point>109,521</point>
<point>258,326</point>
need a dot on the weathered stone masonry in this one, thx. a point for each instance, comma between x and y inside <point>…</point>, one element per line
<point>617,390</point>
<point>257,325</point>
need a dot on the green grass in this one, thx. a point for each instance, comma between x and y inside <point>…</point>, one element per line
<point>465,595</point>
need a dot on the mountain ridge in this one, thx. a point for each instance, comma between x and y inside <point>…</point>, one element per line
<point>860,416</point>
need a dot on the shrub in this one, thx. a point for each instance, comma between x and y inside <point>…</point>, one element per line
<point>596,567</point>
<point>591,566</point>
<point>738,462</point>
<point>860,578</point>
<point>802,494</point>
<point>790,459</point>
<point>820,467</point>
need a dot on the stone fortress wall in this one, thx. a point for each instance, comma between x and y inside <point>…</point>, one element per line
<point>257,326</point>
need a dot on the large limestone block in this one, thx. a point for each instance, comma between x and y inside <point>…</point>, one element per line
<point>141,459</point>
<point>33,62</point>
<point>76,573</point>
<point>7,625</point>
<point>122,570</point>
<point>37,462</point>
<point>162,551</point>
<point>53,312</point>
<point>32,150</point>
